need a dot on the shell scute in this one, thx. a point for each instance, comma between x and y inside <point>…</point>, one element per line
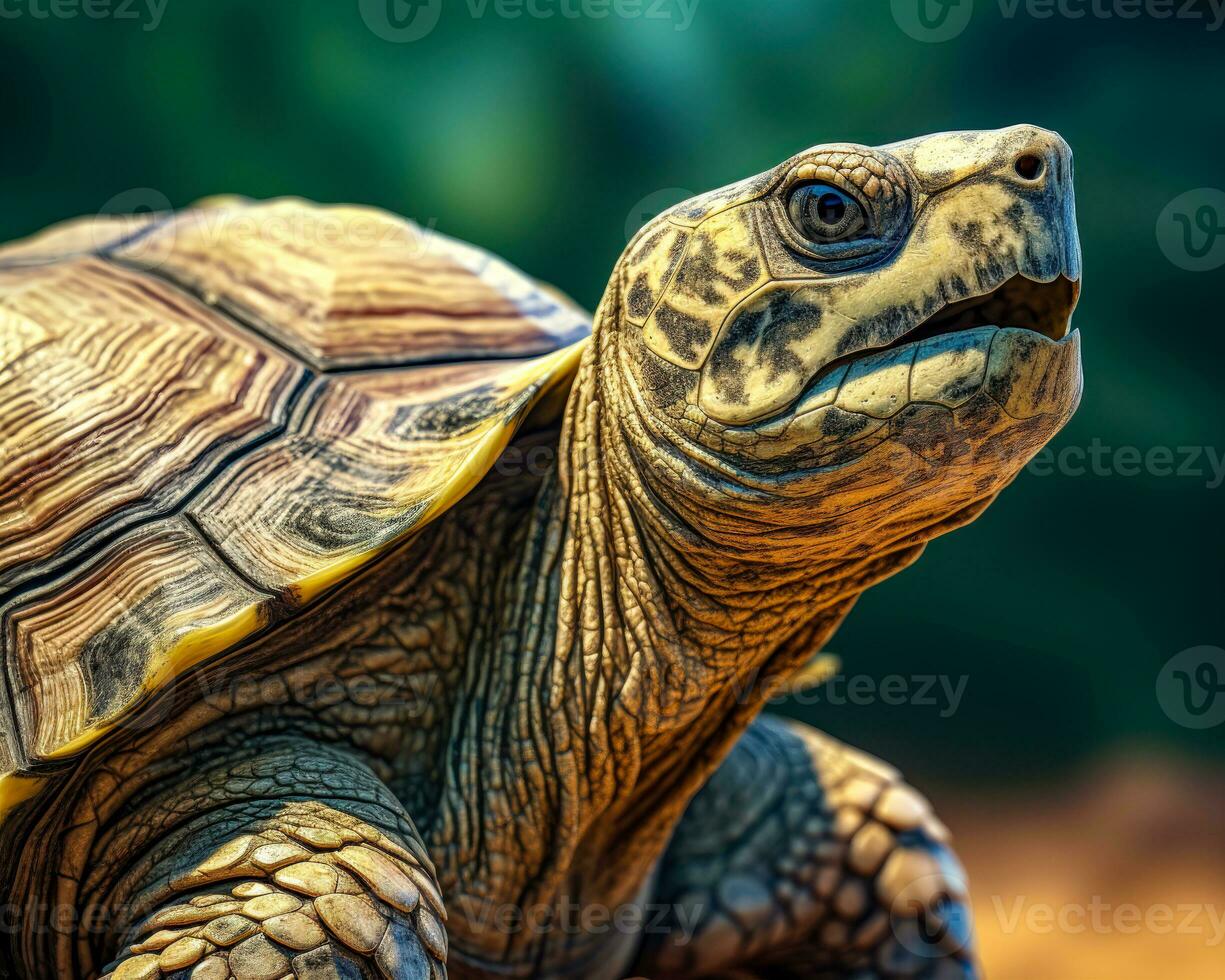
<point>187,454</point>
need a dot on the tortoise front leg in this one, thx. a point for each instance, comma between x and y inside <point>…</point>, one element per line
<point>803,858</point>
<point>291,860</point>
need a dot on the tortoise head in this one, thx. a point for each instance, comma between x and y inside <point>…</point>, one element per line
<point>872,321</point>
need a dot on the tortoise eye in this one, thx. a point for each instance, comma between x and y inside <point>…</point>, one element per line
<point>824,214</point>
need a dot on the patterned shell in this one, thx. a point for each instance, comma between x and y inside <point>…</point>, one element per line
<point>209,418</point>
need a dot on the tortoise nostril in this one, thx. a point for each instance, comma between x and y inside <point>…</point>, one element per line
<point>1030,166</point>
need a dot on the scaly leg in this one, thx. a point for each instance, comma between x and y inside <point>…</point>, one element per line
<point>293,860</point>
<point>803,858</point>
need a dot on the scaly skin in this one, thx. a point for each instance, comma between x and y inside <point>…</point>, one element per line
<point>793,857</point>
<point>341,725</point>
<point>338,880</point>
<point>532,695</point>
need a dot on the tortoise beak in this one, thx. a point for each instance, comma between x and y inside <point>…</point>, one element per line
<point>1043,307</point>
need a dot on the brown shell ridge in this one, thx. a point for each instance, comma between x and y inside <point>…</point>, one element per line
<point>91,546</point>
<point>183,478</point>
<point>193,523</point>
<point>85,564</point>
<point>99,249</point>
<point>92,541</point>
<point>249,321</point>
<point>352,303</point>
<point>221,307</point>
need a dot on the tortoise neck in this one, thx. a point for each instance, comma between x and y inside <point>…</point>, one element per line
<point>595,725</point>
<point>666,643</point>
<point>677,590</point>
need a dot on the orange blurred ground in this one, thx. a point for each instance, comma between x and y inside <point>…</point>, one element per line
<point>1116,875</point>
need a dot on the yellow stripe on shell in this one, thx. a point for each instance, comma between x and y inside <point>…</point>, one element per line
<point>197,646</point>
<point>557,366</point>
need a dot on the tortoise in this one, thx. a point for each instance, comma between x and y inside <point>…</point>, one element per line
<point>371,611</point>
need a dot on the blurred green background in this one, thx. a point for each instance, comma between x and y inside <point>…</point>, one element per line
<point>549,139</point>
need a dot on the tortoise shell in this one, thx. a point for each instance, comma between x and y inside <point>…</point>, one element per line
<point>210,418</point>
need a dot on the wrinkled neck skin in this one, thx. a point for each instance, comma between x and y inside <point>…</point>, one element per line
<point>682,598</point>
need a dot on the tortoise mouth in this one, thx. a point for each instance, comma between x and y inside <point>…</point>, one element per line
<point>1021,303</point>
<point>1043,307</point>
